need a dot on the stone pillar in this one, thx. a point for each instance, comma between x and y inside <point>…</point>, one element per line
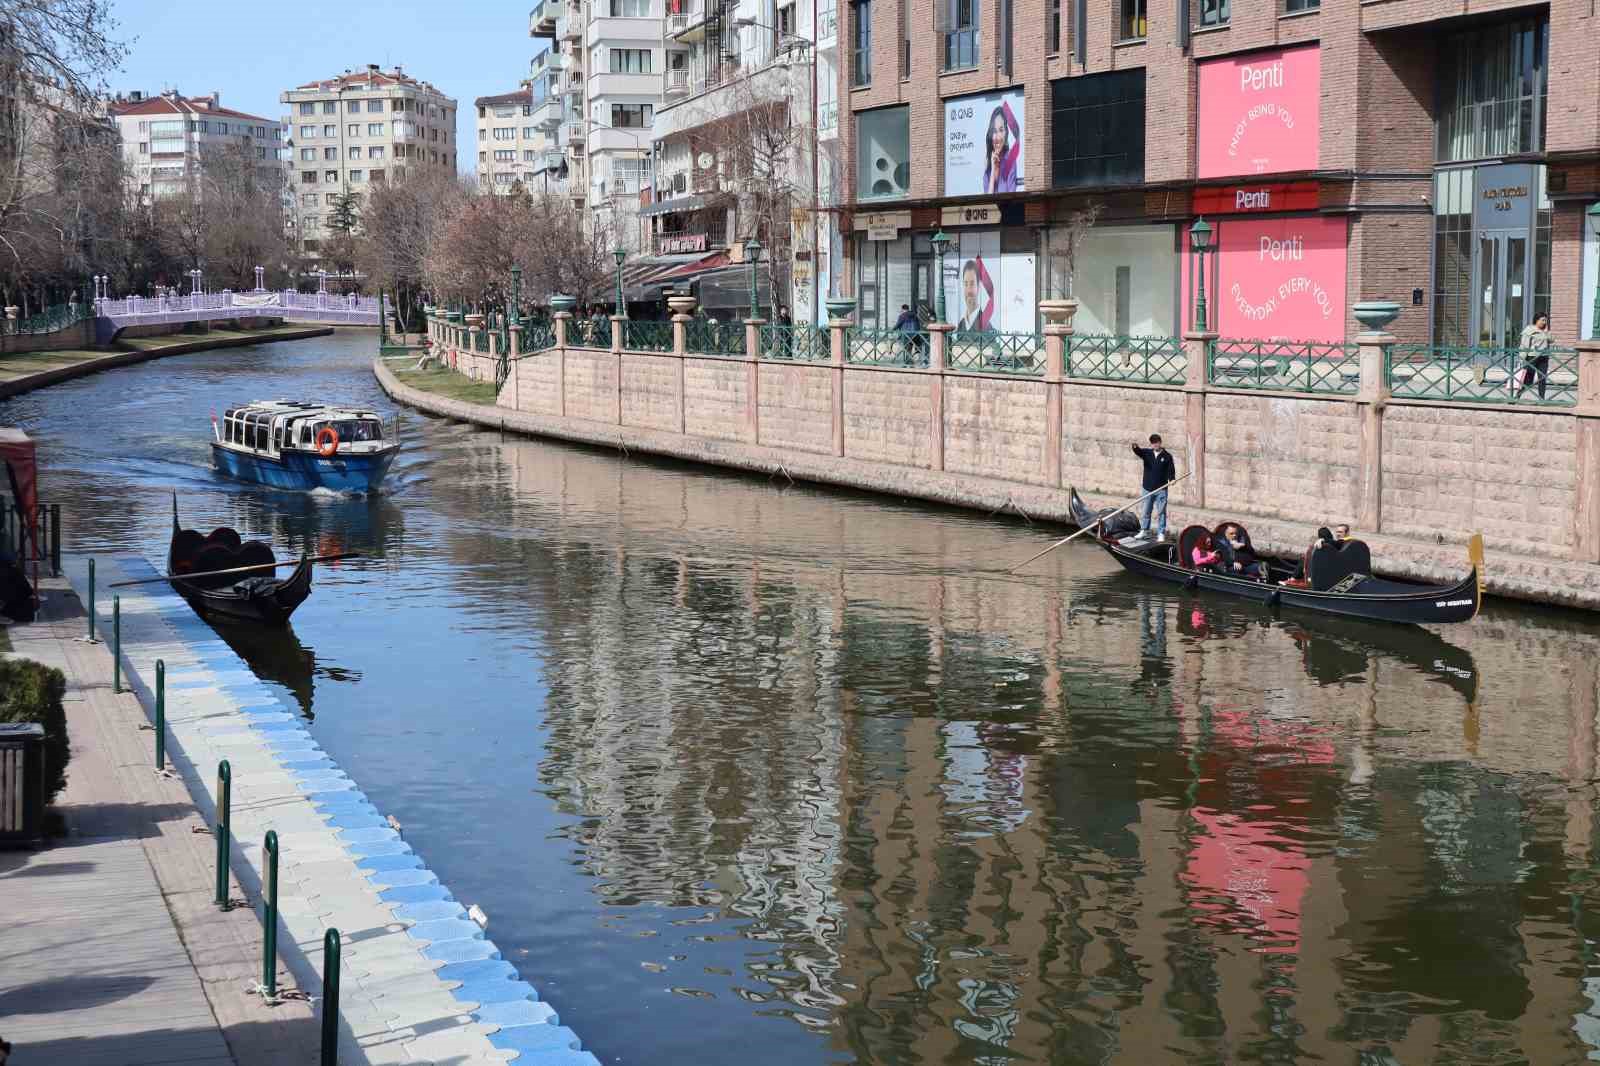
<point>1056,338</point>
<point>616,332</point>
<point>1196,349</point>
<point>563,321</point>
<point>618,324</point>
<point>515,333</point>
<point>680,348</point>
<point>1586,515</point>
<point>938,361</point>
<point>752,379</point>
<point>1372,397</point>
<point>837,342</point>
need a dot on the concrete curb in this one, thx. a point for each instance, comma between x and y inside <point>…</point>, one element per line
<point>113,360</point>
<point>1538,579</point>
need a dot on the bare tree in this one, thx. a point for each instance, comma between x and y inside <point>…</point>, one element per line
<point>400,222</point>
<point>1062,245</point>
<point>67,44</point>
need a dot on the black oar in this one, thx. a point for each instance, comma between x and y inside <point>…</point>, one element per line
<point>238,569</point>
<point>1085,529</point>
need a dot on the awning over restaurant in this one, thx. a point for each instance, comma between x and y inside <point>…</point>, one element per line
<point>675,205</point>
<point>650,287</point>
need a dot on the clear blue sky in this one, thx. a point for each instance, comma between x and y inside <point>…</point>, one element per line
<point>253,52</point>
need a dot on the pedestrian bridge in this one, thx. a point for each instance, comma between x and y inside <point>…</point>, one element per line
<point>113,316</point>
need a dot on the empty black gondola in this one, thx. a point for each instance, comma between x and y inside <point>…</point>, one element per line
<point>260,597</point>
<point>1333,579</point>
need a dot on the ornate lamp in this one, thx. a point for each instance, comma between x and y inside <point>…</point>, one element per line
<point>1200,241</point>
<point>620,254</point>
<point>752,252</point>
<point>941,245</point>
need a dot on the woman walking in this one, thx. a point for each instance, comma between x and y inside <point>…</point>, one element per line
<point>1535,351</point>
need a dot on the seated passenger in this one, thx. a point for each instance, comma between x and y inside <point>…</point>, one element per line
<point>1341,532</point>
<point>1204,556</point>
<point>1245,560</point>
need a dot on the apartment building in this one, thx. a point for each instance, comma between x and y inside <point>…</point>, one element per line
<point>166,137</point>
<point>518,146</point>
<point>746,143</point>
<point>611,85</point>
<point>356,130</point>
<point>1417,151</point>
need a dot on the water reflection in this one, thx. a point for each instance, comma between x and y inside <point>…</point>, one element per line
<point>805,772</point>
<point>277,655</point>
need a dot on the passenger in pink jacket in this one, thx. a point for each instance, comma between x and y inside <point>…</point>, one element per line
<point>1204,554</point>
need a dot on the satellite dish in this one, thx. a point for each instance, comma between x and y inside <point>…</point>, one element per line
<point>706,160</point>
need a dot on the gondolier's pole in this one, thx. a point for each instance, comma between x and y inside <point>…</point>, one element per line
<point>239,569</point>
<point>1098,521</point>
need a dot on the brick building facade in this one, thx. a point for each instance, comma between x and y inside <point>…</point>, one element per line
<point>1436,153</point>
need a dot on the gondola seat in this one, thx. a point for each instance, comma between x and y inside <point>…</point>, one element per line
<point>1343,566</point>
<point>1187,540</point>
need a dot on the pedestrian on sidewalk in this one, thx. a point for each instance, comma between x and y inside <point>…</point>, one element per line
<point>1159,472</point>
<point>1535,344</point>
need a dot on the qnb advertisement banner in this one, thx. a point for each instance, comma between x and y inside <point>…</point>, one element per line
<point>983,144</point>
<point>1277,279</point>
<point>986,292</point>
<point>1260,113</point>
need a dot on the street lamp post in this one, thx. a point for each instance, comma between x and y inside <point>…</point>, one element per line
<point>1593,215</point>
<point>621,254</point>
<point>1200,240</point>
<point>516,293</point>
<point>941,245</point>
<point>752,252</point>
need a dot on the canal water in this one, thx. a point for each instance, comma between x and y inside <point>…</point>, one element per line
<point>750,772</point>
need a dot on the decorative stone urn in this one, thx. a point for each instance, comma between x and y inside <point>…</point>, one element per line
<point>1375,315</point>
<point>840,308</point>
<point>11,310</point>
<point>561,304</point>
<point>682,303</point>
<point>475,321</point>
<point>1058,312</point>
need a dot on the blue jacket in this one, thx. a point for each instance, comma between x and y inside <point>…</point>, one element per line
<point>1158,467</point>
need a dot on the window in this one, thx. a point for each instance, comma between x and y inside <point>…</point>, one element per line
<point>356,175</point>
<point>883,153</point>
<point>630,60</point>
<point>374,105</point>
<point>310,224</point>
<point>529,155</point>
<point>483,133</point>
<point>308,154</point>
<point>861,42</point>
<point>528,132</point>
<point>1491,97</point>
<point>144,147</point>
<point>483,157</point>
<point>1097,129</point>
<point>786,19</point>
<point>960,34</point>
<point>331,154</point>
<point>307,132</point>
<point>308,109</point>
<point>222,127</point>
<point>330,107</point>
<point>1053,29</point>
<point>330,131</point>
<point>1132,27</point>
<point>308,199</point>
<point>352,106</point>
<point>203,126</point>
<point>632,116</point>
<point>1292,7</point>
<point>505,110</point>
<point>331,199</point>
<point>375,152</point>
<point>527,109</point>
<point>504,178</point>
<point>353,152</point>
<point>1212,13</point>
<point>505,155</point>
<point>309,177</point>
<point>375,176</point>
<point>331,177</point>
<point>374,129</point>
<point>630,9</point>
<point>505,133</point>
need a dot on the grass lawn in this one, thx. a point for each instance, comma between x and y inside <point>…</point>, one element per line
<point>449,384</point>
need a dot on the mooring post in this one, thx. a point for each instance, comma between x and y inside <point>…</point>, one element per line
<point>224,829</point>
<point>116,644</point>
<point>330,998</point>
<point>91,601</point>
<point>269,923</point>
<point>161,714</point>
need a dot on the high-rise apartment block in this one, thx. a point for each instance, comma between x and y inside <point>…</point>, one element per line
<point>166,138</point>
<point>356,130</point>
<point>518,139</point>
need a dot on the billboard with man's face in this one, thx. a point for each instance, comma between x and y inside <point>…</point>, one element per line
<point>984,291</point>
<point>983,144</point>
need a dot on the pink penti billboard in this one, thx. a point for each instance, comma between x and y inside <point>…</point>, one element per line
<point>1260,113</point>
<point>1275,279</point>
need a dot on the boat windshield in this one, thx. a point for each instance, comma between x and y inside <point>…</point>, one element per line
<point>357,429</point>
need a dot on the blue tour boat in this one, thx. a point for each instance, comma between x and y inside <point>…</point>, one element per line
<point>302,446</point>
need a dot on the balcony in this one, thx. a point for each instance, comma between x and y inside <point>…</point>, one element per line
<point>551,159</point>
<point>542,19</point>
<point>689,23</point>
<point>827,27</point>
<point>573,133</point>
<point>677,82</point>
<point>570,26</point>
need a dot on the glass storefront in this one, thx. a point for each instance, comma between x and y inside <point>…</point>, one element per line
<point>1125,278</point>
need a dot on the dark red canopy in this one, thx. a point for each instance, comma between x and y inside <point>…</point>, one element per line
<point>16,452</point>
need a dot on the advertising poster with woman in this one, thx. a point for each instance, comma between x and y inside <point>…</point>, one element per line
<point>983,144</point>
<point>986,292</point>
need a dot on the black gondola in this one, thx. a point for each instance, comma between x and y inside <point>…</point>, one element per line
<point>1333,579</point>
<point>260,598</point>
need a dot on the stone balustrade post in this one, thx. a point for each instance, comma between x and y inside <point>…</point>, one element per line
<point>1586,515</point>
<point>1372,396</point>
<point>1196,381</point>
<point>752,378</point>
<point>515,333</point>
<point>938,363</point>
<point>838,341</point>
<point>563,321</point>
<point>617,329</point>
<point>680,334</point>
<point>1057,335</point>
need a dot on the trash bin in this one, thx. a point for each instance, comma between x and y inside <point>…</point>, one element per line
<point>21,784</point>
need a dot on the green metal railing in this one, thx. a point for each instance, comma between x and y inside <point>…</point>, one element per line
<point>1107,357</point>
<point>1288,366</point>
<point>705,337</point>
<point>1484,375</point>
<point>802,344</point>
<point>640,336</point>
<point>537,336</point>
<point>885,347</point>
<point>36,544</point>
<point>589,333</point>
<point>51,319</point>
<point>996,353</point>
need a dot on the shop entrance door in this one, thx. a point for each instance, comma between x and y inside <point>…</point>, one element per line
<point>1502,280</point>
<point>923,300</point>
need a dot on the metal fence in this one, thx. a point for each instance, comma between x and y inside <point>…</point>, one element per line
<point>803,344</point>
<point>1288,366</point>
<point>995,352</point>
<point>537,336</point>
<point>885,347</point>
<point>589,333</point>
<point>1106,357</point>
<point>640,336</point>
<point>704,336</point>
<point>51,319</point>
<point>1538,377</point>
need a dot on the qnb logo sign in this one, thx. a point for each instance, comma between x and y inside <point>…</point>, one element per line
<point>1252,199</point>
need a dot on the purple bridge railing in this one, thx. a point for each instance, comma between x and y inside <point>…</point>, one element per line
<point>112,316</point>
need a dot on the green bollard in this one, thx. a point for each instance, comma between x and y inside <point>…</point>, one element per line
<point>55,539</point>
<point>269,923</point>
<point>91,601</point>
<point>116,644</point>
<point>330,998</point>
<point>161,714</point>
<point>224,829</point>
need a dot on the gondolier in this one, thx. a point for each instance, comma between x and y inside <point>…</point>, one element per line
<point>1159,472</point>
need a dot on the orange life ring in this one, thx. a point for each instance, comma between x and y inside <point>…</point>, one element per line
<point>327,442</point>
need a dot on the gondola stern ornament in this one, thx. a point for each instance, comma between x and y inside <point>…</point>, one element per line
<point>1475,556</point>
